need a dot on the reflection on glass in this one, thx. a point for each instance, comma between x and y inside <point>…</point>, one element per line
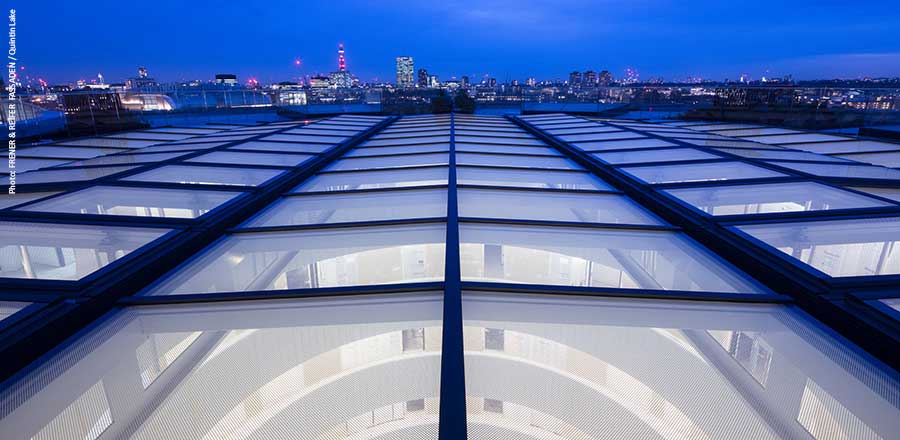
<point>838,248</point>
<point>68,175</point>
<point>312,259</point>
<point>544,367</point>
<point>403,149</point>
<point>700,172</point>
<point>54,251</point>
<point>835,170</point>
<point>893,303</point>
<point>341,208</point>
<point>19,198</point>
<point>594,258</point>
<point>141,202</point>
<point>530,179</point>
<point>660,155</point>
<point>888,193</point>
<point>368,163</point>
<point>498,160</point>
<point>768,198</point>
<point>241,158</point>
<point>310,370</point>
<point>206,175</point>
<point>569,207</point>
<point>286,147</point>
<point>890,159</point>
<point>780,154</point>
<point>398,178</point>
<point>623,145</point>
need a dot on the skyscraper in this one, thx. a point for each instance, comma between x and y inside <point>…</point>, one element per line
<point>590,78</point>
<point>341,79</point>
<point>422,78</point>
<point>405,70</point>
<point>605,78</point>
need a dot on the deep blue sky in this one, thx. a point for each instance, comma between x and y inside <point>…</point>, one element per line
<point>66,40</point>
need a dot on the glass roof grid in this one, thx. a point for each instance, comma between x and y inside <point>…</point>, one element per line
<point>374,179</point>
<point>516,161</point>
<point>795,138</point>
<point>254,158</point>
<point>21,198</point>
<point>576,138</point>
<point>63,152</point>
<point>281,147</point>
<point>631,144</point>
<point>849,146</point>
<point>382,162</point>
<point>889,159</point>
<point>52,175</point>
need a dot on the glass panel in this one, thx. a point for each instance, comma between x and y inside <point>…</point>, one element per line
<point>57,251</point>
<point>545,367</point>
<point>700,172</point>
<point>780,154</point>
<point>529,179</point>
<point>369,163</point>
<point>405,149</point>
<point>67,175</point>
<point>845,147</point>
<point>835,170</point>
<point>893,303</point>
<point>888,159</point>
<point>660,155</point>
<point>238,158</point>
<point>623,145</point>
<point>754,132</point>
<point>299,138</point>
<point>149,136</point>
<point>206,175</point>
<point>53,151</point>
<point>406,141</point>
<point>461,131</point>
<point>285,147</point>
<point>187,130</point>
<point>127,159</point>
<point>768,198</point>
<point>313,130</point>
<point>141,202</point>
<point>375,179</point>
<point>733,143</point>
<point>313,259</point>
<point>593,258</point>
<point>581,130</point>
<point>569,207</point>
<point>839,248</point>
<point>176,147</point>
<point>306,370</point>
<point>340,208</point>
<point>19,198</point>
<point>107,142</point>
<point>499,140</point>
<point>888,193</point>
<point>23,164</point>
<point>601,136</point>
<point>402,134</point>
<point>508,149</point>
<point>497,160</point>
<point>794,138</point>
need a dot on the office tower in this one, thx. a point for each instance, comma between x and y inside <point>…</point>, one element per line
<point>405,68</point>
<point>226,79</point>
<point>605,78</point>
<point>433,81</point>
<point>590,78</point>
<point>422,78</point>
<point>342,65</point>
<point>531,81</point>
<point>142,72</point>
<point>575,78</point>
<point>464,81</point>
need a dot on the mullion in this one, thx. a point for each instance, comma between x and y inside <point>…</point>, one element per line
<point>452,413</point>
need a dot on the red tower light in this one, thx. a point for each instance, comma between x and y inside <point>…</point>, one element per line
<point>342,66</point>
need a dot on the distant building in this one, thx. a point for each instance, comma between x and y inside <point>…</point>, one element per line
<point>422,78</point>
<point>342,78</point>
<point>589,78</point>
<point>142,80</point>
<point>464,81</point>
<point>605,78</point>
<point>319,82</point>
<point>575,78</point>
<point>405,70</point>
<point>433,81</point>
<point>531,81</point>
<point>226,79</point>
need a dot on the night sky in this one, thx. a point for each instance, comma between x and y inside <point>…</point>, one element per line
<point>62,41</point>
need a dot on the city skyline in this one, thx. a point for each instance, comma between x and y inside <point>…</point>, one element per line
<point>503,40</point>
